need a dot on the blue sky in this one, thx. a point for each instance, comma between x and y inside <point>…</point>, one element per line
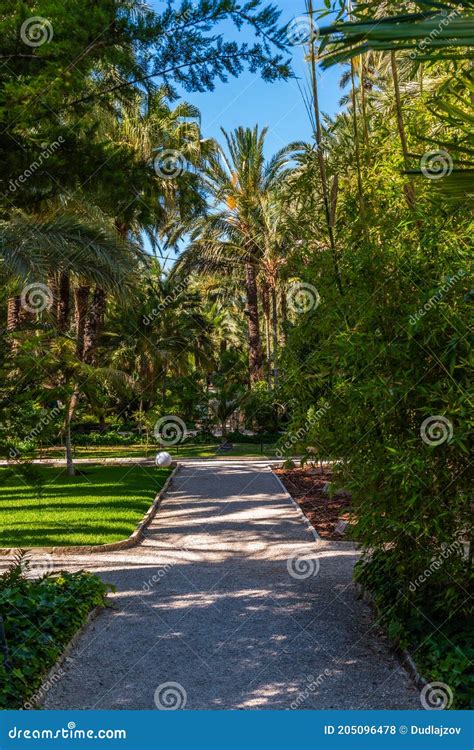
<point>247,100</point>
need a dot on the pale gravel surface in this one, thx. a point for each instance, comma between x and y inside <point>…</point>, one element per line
<point>207,602</point>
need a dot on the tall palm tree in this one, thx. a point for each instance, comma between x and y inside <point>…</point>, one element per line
<point>165,333</point>
<point>228,237</point>
<point>36,249</point>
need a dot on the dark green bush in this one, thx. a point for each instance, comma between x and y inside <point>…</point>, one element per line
<point>447,654</point>
<point>105,439</point>
<point>378,380</point>
<point>40,617</point>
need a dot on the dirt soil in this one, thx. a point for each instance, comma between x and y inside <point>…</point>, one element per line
<point>309,488</point>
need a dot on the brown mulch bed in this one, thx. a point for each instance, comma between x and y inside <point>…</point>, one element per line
<point>306,487</point>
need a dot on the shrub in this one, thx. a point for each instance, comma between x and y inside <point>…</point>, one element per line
<point>40,617</point>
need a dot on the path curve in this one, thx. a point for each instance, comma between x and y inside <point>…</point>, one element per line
<point>216,601</point>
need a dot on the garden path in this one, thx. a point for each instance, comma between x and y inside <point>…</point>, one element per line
<point>231,603</point>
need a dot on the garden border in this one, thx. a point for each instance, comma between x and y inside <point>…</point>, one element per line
<point>305,518</point>
<point>133,540</point>
<point>407,661</point>
<point>43,691</point>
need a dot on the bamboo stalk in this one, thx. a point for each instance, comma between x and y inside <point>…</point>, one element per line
<point>321,161</point>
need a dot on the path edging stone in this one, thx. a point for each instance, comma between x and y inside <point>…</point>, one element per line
<point>407,660</point>
<point>132,541</point>
<point>305,519</point>
<point>41,693</point>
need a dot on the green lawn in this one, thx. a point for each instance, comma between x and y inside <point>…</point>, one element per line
<point>103,504</point>
<point>184,451</point>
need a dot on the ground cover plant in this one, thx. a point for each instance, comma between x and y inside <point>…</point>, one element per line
<point>39,616</point>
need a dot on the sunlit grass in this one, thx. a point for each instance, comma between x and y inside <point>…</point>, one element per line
<point>102,504</point>
<point>184,451</point>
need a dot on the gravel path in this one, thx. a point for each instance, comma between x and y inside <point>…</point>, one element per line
<point>230,603</point>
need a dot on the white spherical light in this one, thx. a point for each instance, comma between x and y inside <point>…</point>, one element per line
<point>163,460</point>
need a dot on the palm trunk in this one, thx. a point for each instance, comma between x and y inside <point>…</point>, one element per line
<point>275,335</point>
<point>70,413</point>
<point>13,313</point>
<point>81,298</point>
<point>284,317</point>
<point>93,324</point>
<point>266,313</point>
<point>63,302</point>
<point>253,324</point>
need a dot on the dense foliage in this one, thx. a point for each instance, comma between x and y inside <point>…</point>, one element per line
<point>383,358</point>
<point>39,618</point>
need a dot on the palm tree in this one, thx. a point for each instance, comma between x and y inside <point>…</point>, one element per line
<point>33,248</point>
<point>227,239</point>
<point>46,250</point>
<point>165,333</point>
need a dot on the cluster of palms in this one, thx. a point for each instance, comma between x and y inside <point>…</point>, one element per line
<point>64,260</point>
<point>107,313</point>
<point>245,236</point>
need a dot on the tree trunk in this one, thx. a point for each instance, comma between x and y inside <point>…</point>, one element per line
<point>275,334</point>
<point>266,314</point>
<point>13,313</point>
<point>81,298</point>
<point>71,410</point>
<point>93,324</point>
<point>284,317</point>
<point>63,302</point>
<point>255,344</point>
